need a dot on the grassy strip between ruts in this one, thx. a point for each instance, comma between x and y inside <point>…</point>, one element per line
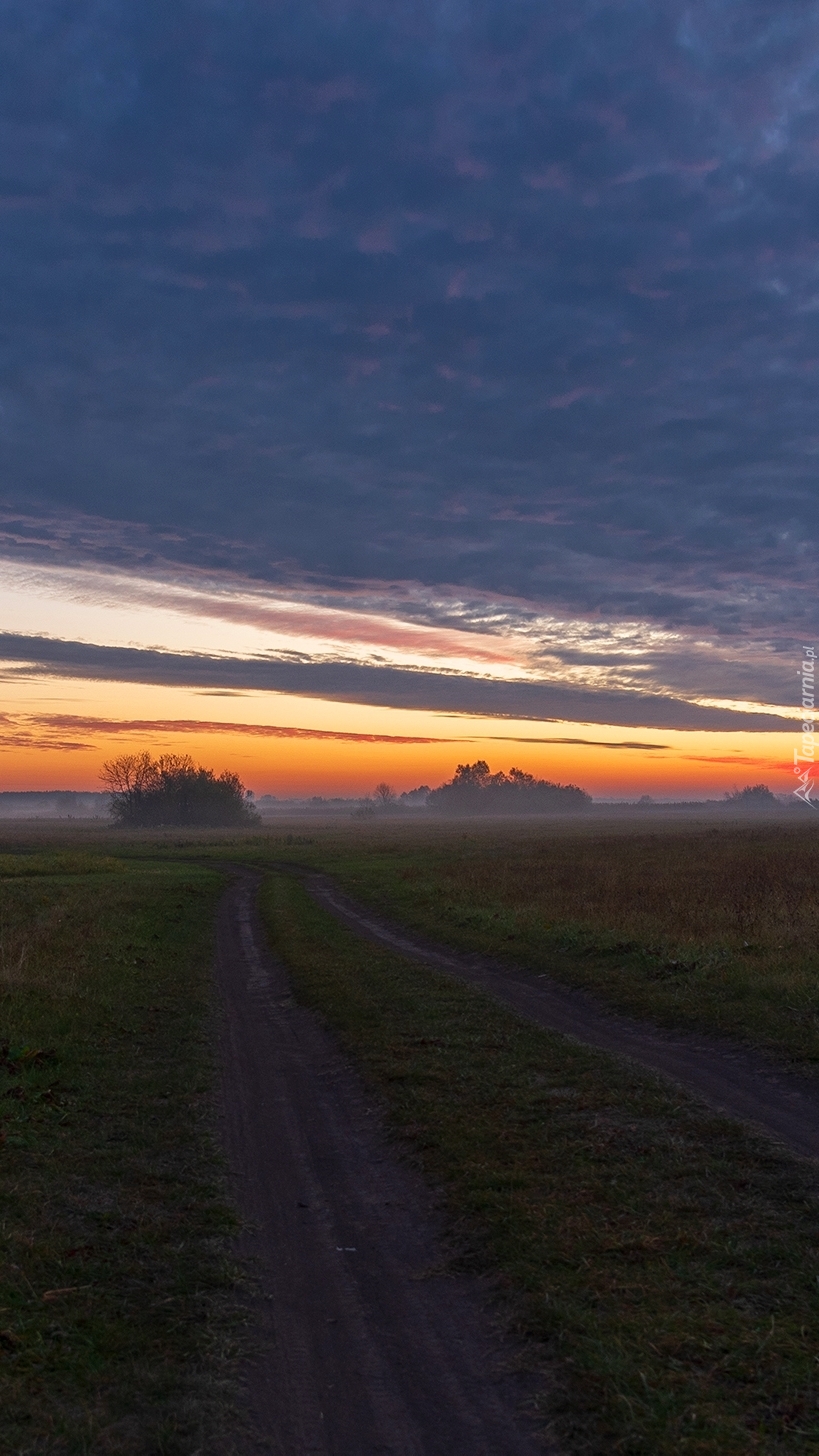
<point>667,1258</point>
<point>116,1320</point>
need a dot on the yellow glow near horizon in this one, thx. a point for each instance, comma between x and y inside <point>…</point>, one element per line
<point>58,731</point>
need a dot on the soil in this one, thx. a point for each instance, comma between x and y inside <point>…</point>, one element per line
<point>366,1338</point>
<point>731,1077</point>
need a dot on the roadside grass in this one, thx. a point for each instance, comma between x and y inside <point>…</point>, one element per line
<point>116,1314</point>
<point>668,1260</point>
<point>712,928</point>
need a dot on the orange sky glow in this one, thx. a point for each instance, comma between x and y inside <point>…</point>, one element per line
<point>57,733</point>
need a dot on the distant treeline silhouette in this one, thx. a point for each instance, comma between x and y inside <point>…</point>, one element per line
<point>172,790</point>
<point>474,790</point>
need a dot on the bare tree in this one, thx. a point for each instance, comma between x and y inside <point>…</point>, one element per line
<point>384,795</point>
<point>128,778</point>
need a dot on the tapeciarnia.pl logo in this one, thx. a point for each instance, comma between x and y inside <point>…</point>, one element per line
<point>804,756</point>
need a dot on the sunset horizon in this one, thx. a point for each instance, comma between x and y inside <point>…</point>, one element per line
<point>387,392</point>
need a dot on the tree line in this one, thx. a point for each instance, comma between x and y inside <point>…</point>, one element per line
<point>475,790</point>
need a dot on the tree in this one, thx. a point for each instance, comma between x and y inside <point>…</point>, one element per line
<point>150,793</point>
<point>384,796</point>
<point>128,779</point>
<point>472,775</point>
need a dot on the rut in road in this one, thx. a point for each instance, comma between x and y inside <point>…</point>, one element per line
<point>364,1343</point>
<point>730,1077</point>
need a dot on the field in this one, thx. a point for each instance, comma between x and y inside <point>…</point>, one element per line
<point>117,1314</point>
<point>662,1258</point>
<point>659,1262</point>
<point>692,924</point>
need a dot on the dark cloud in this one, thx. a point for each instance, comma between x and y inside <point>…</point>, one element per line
<point>516,297</point>
<point>42,730</point>
<point>76,723</point>
<point>450,693</point>
<point>580,742</point>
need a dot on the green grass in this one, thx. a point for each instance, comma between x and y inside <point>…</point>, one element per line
<point>665,1258</point>
<point>60,862</point>
<point>713,928</point>
<point>116,1304</point>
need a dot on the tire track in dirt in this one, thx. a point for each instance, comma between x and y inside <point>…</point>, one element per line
<point>364,1343</point>
<point>730,1077</point>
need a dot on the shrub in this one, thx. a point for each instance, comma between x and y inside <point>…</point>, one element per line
<point>755,796</point>
<point>149,793</point>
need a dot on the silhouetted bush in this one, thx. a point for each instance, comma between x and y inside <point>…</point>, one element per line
<point>151,793</point>
<point>474,790</point>
<point>756,796</point>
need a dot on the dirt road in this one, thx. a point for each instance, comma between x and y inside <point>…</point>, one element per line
<point>730,1077</point>
<point>364,1344</point>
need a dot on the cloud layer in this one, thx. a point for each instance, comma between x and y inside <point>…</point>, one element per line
<point>508,301</point>
<point>385,686</point>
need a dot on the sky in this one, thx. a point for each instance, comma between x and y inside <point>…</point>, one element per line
<point>386,384</point>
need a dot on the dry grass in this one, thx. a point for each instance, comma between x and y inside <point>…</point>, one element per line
<point>715,887</point>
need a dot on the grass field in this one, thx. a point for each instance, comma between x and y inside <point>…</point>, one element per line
<point>116,1299</point>
<point>689,925</point>
<point>668,1259</point>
